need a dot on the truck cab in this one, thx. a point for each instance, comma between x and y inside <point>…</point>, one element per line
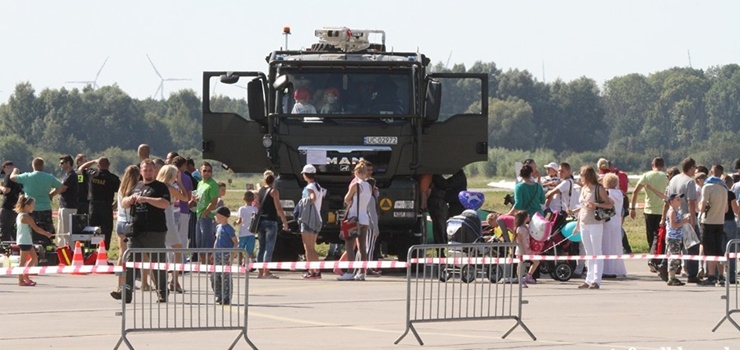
<point>343,100</point>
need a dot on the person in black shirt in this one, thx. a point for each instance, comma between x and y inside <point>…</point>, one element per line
<point>149,199</point>
<point>10,190</point>
<point>103,187</point>
<point>68,198</point>
<point>83,184</point>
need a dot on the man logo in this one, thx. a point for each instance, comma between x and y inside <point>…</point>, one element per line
<point>344,168</point>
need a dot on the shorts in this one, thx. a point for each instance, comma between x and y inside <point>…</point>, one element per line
<point>712,239</point>
<point>25,247</point>
<point>247,243</point>
<point>120,227</point>
<point>306,229</point>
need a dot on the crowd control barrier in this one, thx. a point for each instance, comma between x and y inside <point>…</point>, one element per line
<point>463,282</point>
<point>197,306</point>
<point>732,291</point>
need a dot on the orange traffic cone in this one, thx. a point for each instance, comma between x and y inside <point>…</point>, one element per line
<point>102,259</point>
<point>77,259</point>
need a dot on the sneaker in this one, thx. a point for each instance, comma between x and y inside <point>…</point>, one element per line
<point>360,277</point>
<point>675,282</point>
<point>651,266</point>
<point>721,281</point>
<point>347,276</point>
<point>307,275</point>
<point>594,286</point>
<point>707,283</point>
<point>524,285</point>
<point>663,272</point>
<point>116,294</point>
<point>317,275</point>
<point>584,286</point>
<point>529,279</point>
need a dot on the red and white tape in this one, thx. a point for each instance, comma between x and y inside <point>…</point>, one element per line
<point>52,270</point>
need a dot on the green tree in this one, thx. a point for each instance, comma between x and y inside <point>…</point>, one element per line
<point>510,124</point>
<point>628,101</point>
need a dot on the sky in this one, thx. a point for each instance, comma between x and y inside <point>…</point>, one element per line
<point>48,43</point>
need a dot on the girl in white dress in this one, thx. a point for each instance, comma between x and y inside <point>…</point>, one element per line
<point>612,241</point>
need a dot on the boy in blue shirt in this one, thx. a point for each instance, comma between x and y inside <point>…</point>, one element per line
<point>225,238</point>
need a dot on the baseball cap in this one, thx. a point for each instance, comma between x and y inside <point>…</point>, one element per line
<point>673,196</point>
<point>67,159</point>
<point>308,169</point>
<point>223,211</point>
<point>552,165</point>
<point>602,164</point>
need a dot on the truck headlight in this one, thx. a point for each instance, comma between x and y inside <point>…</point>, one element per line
<point>403,205</point>
<point>267,141</point>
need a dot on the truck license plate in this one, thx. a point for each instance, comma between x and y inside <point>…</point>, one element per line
<point>381,140</point>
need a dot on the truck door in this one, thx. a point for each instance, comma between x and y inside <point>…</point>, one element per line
<point>228,136</point>
<point>455,132</point>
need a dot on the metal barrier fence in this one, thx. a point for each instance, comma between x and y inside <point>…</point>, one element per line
<point>213,296</point>
<point>732,290</point>
<point>463,282</point>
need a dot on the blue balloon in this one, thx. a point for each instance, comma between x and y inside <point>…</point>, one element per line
<point>471,200</point>
<point>568,232</point>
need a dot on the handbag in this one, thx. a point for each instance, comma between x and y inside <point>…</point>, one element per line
<point>602,214</point>
<point>128,226</point>
<point>348,228</point>
<point>254,224</point>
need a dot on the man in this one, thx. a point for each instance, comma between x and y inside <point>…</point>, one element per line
<point>83,184</point>
<point>143,151</point>
<point>170,157</point>
<point>42,186</point>
<point>207,197</point>
<point>67,200</point>
<point>149,199</point>
<point>183,214</point>
<point>10,190</point>
<point>193,171</point>
<point>564,192</point>
<point>714,205</point>
<point>103,188</point>
<point>654,204</point>
<point>683,184</point>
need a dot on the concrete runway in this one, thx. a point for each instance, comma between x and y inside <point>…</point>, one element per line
<point>639,312</point>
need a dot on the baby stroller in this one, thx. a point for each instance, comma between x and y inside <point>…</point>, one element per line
<point>558,245</point>
<point>465,229</point>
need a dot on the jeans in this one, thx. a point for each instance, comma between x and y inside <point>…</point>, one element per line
<point>205,237</point>
<point>267,235</point>
<point>592,235</point>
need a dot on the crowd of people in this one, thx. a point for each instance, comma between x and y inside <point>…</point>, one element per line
<point>169,203</point>
<point>694,210</point>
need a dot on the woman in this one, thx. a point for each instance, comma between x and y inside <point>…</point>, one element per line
<point>128,181</point>
<point>612,242</point>
<point>270,212</point>
<point>313,192</point>
<point>357,200</point>
<point>528,194</point>
<point>730,227</point>
<point>170,176</point>
<point>592,230</point>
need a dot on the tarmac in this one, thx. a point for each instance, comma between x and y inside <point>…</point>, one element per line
<point>637,312</point>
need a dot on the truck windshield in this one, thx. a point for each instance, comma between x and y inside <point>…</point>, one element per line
<point>352,93</point>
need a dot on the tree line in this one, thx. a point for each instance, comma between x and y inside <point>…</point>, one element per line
<point>673,113</point>
<point>631,119</point>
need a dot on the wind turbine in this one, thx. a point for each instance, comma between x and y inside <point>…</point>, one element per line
<point>160,88</point>
<point>93,83</point>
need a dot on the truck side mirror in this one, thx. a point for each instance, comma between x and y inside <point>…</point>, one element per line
<point>256,100</point>
<point>281,82</point>
<point>432,102</point>
<point>229,78</point>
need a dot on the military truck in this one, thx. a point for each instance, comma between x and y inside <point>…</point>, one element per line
<point>344,99</point>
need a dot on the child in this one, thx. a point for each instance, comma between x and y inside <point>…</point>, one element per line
<point>246,238</point>
<point>225,239</point>
<point>505,225</point>
<point>303,102</point>
<point>25,224</point>
<point>521,220</point>
<point>674,237</point>
<point>221,194</point>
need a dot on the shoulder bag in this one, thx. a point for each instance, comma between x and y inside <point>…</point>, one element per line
<point>348,228</point>
<point>602,214</point>
<point>254,224</point>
